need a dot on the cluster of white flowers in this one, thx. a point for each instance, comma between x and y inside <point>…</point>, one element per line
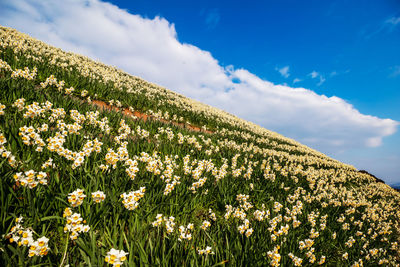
<point>212,215</point>
<point>261,215</point>
<point>92,119</point>
<point>2,108</point>
<point>69,91</point>
<point>84,93</point>
<point>274,256</point>
<point>4,65</point>
<point>98,196</point>
<point>205,225</point>
<point>52,81</point>
<point>25,73</point>
<point>74,224</point>
<point>57,113</point>
<point>116,257</point>
<point>184,232</point>
<point>131,199</point>
<point>24,237</point>
<point>306,244</point>
<point>203,166</point>
<point>116,103</point>
<point>76,198</point>
<point>48,163</point>
<point>245,228</point>
<point>30,178</point>
<point>31,137</point>
<point>240,213</point>
<point>19,104</point>
<point>142,133</point>
<point>171,183</point>
<point>207,251</point>
<point>6,153</point>
<point>35,109</point>
<point>296,260</point>
<point>169,222</point>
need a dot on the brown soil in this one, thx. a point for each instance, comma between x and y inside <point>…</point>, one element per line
<point>103,105</point>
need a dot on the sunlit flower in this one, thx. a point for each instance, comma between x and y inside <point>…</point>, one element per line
<point>116,257</point>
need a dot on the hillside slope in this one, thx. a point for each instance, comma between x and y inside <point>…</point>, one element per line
<point>97,163</point>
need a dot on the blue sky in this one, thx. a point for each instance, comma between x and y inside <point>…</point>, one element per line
<point>250,59</point>
<point>352,44</point>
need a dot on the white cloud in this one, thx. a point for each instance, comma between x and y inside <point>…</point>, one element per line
<point>393,20</point>
<point>386,26</point>
<point>321,80</point>
<point>149,48</point>
<point>314,74</point>
<point>296,80</point>
<point>284,71</point>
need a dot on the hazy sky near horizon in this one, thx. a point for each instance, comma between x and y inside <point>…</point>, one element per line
<point>326,73</point>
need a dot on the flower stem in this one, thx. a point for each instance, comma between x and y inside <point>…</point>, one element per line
<point>65,252</point>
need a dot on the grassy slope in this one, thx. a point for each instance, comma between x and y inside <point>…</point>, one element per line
<point>273,169</point>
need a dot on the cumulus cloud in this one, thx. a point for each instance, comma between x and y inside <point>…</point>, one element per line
<point>284,71</point>
<point>149,48</point>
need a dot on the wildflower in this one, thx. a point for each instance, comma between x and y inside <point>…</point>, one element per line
<point>116,257</point>
<point>2,107</point>
<point>30,178</point>
<point>48,163</point>
<point>74,224</point>
<point>24,237</point>
<point>322,260</point>
<point>158,221</point>
<point>206,251</point>
<point>277,206</point>
<point>76,198</point>
<point>39,247</point>
<point>242,228</point>
<point>212,215</point>
<point>98,196</point>
<point>350,242</point>
<point>314,234</point>
<point>131,199</point>
<point>184,232</point>
<point>249,232</point>
<point>296,260</point>
<point>19,104</point>
<point>84,93</point>
<point>274,256</point>
<point>205,225</point>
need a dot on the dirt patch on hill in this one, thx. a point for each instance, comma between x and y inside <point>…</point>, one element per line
<point>139,115</point>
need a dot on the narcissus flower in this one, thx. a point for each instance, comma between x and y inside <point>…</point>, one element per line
<point>98,196</point>
<point>116,257</point>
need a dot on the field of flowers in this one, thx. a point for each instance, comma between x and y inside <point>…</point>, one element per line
<point>101,168</point>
